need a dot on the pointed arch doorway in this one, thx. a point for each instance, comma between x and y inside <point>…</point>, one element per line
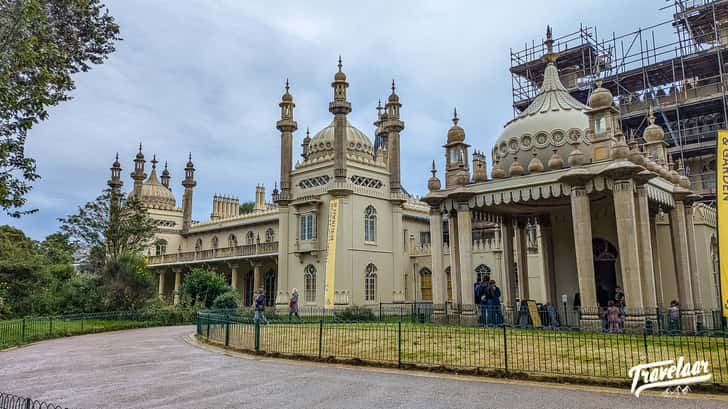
<point>605,269</point>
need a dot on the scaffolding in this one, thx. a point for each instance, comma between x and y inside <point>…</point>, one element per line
<point>675,66</point>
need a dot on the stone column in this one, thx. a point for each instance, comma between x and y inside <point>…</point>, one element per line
<point>649,292</point>
<point>161,284</point>
<point>283,249</point>
<point>257,278</point>
<point>397,254</point>
<point>439,279</point>
<point>234,277</point>
<point>177,285</point>
<point>627,237</point>
<point>455,282</point>
<point>581,220</point>
<point>522,257</point>
<point>509,293</point>
<point>682,258</point>
<point>546,248</point>
<point>694,275</point>
<point>465,255</point>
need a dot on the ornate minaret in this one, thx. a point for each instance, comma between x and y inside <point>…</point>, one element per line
<point>380,134</point>
<point>189,184</point>
<point>287,126</point>
<point>305,143</point>
<point>340,107</point>
<point>138,174</point>
<point>456,154</point>
<point>393,126</point>
<point>115,182</point>
<point>165,176</point>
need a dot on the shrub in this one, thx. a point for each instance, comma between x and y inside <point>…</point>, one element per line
<point>355,313</point>
<point>202,286</point>
<point>229,300</point>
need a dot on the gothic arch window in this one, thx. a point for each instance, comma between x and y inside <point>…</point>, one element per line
<point>481,271</point>
<point>270,235</point>
<point>370,224</point>
<point>449,283</point>
<point>232,240</point>
<point>160,247</point>
<point>198,245</point>
<point>250,238</point>
<point>309,284</point>
<point>426,284</point>
<point>269,287</point>
<point>370,283</point>
<point>604,250</point>
<point>214,242</point>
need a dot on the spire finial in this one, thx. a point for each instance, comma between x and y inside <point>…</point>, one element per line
<point>165,165</point>
<point>434,171</point>
<point>117,156</point>
<point>287,86</point>
<point>154,161</point>
<point>455,118</point>
<point>651,116</point>
<point>340,64</point>
<point>549,40</point>
<point>394,87</point>
<point>140,147</point>
<point>307,132</point>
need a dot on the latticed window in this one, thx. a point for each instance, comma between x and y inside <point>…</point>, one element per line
<point>426,284</point>
<point>306,227</point>
<point>370,224</point>
<point>481,271</point>
<point>198,245</point>
<point>232,241</point>
<point>214,242</point>
<point>269,235</point>
<point>309,284</point>
<point>160,247</point>
<point>370,283</point>
<point>250,238</point>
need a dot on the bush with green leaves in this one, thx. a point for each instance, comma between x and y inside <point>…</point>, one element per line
<point>229,300</point>
<point>355,313</point>
<point>201,286</point>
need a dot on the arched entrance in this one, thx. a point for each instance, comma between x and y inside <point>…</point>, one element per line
<point>248,295</point>
<point>426,284</point>
<point>605,270</point>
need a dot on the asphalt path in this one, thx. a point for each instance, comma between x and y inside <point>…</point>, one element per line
<point>165,368</point>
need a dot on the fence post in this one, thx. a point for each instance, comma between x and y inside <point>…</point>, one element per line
<point>81,322</point>
<point>23,331</point>
<point>399,343</point>
<point>380,311</point>
<point>227,332</point>
<point>207,320</point>
<point>505,348</point>
<point>321,337</point>
<point>257,337</point>
<point>644,340</point>
<point>28,403</point>
<point>50,326</point>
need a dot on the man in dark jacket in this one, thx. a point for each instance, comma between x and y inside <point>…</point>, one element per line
<point>260,308</point>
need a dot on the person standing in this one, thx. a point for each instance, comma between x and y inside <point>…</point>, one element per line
<point>674,317</point>
<point>494,304</point>
<point>619,302</point>
<point>613,317</point>
<point>482,299</point>
<point>260,308</point>
<point>293,305</point>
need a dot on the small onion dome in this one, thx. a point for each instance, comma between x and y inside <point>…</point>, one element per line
<point>287,97</point>
<point>139,154</point>
<point>600,97</point>
<point>576,157</point>
<point>433,183</point>
<point>456,133</point>
<point>653,132</point>
<point>516,168</point>
<point>189,161</point>
<point>674,176</point>
<point>116,163</point>
<point>497,172</point>
<point>535,165</point>
<point>393,97</point>
<point>556,162</point>
<point>620,150</point>
<point>340,76</point>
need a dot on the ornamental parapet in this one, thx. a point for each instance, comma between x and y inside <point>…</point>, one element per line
<point>219,254</point>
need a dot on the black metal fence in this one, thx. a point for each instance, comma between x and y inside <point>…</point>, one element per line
<point>501,349</point>
<point>20,331</point>
<point>8,401</point>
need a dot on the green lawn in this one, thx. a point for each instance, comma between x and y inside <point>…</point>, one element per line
<point>536,352</point>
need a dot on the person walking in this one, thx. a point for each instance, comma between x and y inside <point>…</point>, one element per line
<point>494,304</point>
<point>293,305</point>
<point>260,308</point>
<point>482,299</point>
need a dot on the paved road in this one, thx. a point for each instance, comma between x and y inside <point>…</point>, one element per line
<point>156,368</point>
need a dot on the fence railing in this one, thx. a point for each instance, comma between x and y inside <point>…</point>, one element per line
<point>24,330</point>
<point>8,401</point>
<point>500,349</point>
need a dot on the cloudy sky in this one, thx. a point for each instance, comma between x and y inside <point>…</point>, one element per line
<point>206,77</point>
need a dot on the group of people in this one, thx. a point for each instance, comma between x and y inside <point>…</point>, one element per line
<point>487,295</point>
<point>259,306</point>
<point>613,313</point>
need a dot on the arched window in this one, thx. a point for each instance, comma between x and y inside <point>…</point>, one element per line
<point>160,247</point>
<point>370,283</point>
<point>309,284</point>
<point>449,283</point>
<point>426,284</point>
<point>370,224</point>
<point>198,245</point>
<point>269,235</point>
<point>481,271</point>
<point>214,242</point>
<point>232,241</point>
<point>250,238</point>
<point>604,250</point>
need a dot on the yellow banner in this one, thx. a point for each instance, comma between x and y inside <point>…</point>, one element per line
<point>331,253</point>
<point>722,200</point>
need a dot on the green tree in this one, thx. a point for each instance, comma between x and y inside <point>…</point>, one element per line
<point>127,283</point>
<point>42,44</point>
<point>203,286</point>
<point>105,230</point>
<point>23,273</point>
<point>246,207</point>
<point>229,300</point>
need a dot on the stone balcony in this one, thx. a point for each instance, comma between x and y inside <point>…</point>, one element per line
<point>246,251</point>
